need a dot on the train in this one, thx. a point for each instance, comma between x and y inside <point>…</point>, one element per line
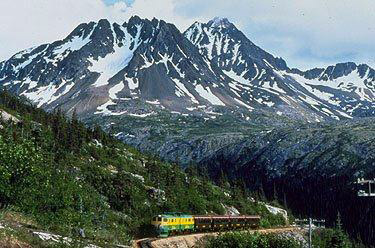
<point>168,224</point>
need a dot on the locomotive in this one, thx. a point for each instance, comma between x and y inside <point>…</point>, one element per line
<point>176,223</point>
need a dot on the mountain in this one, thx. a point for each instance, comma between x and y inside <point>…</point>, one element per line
<point>143,67</point>
<point>340,91</point>
<point>313,168</point>
<point>104,68</point>
<point>210,97</point>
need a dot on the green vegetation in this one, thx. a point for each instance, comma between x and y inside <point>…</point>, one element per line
<point>322,238</point>
<point>333,237</point>
<point>250,240</point>
<point>65,177</point>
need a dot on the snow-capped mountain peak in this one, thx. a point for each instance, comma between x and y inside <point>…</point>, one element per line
<point>219,22</point>
<point>146,66</point>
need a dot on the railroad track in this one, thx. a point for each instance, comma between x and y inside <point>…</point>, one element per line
<point>145,243</point>
<point>148,242</point>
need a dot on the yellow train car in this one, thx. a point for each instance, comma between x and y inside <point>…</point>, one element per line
<point>174,223</point>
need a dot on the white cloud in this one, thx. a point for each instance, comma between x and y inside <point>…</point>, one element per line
<point>305,33</point>
<point>27,23</point>
<point>161,9</point>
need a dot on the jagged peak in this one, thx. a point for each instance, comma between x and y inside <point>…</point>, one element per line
<point>336,71</point>
<point>219,22</point>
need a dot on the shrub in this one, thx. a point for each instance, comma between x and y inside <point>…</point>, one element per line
<point>250,240</point>
<point>331,238</point>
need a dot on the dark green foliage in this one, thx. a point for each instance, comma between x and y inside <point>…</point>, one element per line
<point>68,176</point>
<point>251,240</point>
<point>332,238</point>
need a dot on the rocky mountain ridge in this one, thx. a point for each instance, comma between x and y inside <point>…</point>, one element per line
<point>143,67</point>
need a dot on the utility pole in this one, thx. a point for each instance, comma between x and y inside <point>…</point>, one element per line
<point>310,233</point>
<point>310,223</point>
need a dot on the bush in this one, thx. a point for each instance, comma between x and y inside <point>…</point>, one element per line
<point>250,240</point>
<point>20,168</point>
<point>331,238</point>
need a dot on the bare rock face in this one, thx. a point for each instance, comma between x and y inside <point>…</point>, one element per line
<point>232,211</point>
<point>8,117</point>
<point>276,210</point>
<point>156,193</point>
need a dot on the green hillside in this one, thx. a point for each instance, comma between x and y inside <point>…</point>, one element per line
<point>61,177</point>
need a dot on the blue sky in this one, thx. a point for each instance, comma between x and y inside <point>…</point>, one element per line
<point>307,34</point>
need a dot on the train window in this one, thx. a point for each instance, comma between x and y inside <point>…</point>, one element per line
<point>159,218</point>
<point>154,219</point>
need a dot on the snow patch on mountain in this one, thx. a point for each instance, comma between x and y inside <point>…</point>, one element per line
<point>114,62</point>
<point>47,94</point>
<point>132,83</point>
<point>181,90</point>
<point>239,78</point>
<point>116,89</point>
<point>207,94</point>
<point>273,87</point>
<point>28,61</point>
<point>75,43</point>
<point>244,104</point>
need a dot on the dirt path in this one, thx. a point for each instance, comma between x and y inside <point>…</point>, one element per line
<point>188,241</point>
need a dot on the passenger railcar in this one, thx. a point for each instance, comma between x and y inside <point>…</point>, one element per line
<point>173,223</point>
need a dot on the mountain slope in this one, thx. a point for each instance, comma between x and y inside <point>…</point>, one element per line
<point>143,67</point>
<point>102,68</point>
<point>65,177</point>
<point>348,86</point>
<point>263,79</point>
<point>312,168</point>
